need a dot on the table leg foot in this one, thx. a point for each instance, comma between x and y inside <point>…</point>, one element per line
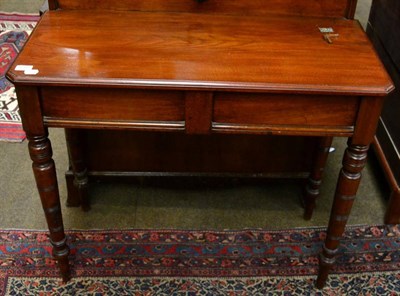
<point>73,199</point>
<point>60,252</point>
<point>76,143</point>
<point>312,188</point>
<point>354,161</point>
<point>81,183</point>
<point>46,179</point>
<point>324,269</point>
<point>310,196</point>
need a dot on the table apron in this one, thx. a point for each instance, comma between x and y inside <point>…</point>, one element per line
<point>199,112</point>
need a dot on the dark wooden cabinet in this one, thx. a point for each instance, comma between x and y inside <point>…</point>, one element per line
<point>384,31</point>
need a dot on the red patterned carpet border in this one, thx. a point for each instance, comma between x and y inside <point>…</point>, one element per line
<point>14,31</point>
<point>19,17</point>
<point>161,260</point>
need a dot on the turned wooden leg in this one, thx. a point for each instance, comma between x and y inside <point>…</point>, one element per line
<point>314,181</point>
<point>46,180</point>
<point>79,194</point>
<point>354,161</point>
<point>392,215</point>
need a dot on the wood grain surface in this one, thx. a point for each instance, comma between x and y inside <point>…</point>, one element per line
<point>192,51</point>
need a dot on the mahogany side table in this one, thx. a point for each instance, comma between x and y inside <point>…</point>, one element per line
<point>200,74</point>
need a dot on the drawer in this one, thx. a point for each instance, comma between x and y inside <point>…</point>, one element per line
<point>112,104</point>
<point>284,110</point>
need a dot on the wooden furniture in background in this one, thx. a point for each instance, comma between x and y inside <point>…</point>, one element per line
<point>176,155</point>
<point>322,8</point>
<point>384,31</point>
<point>198,74</point>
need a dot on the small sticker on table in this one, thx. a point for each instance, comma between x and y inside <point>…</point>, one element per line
<point>27,69</point>
<point>326,30</point>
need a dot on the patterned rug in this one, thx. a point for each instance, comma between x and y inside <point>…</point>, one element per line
<point>172,262</point>
<point>14,31</point>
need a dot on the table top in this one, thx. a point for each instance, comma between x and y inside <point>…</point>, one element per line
<point>200,51</point>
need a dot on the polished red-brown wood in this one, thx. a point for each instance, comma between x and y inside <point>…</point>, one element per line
<point>45,173</point>
<point>126,105</point>
<point>315,179</point>
<point>354,160</point>
<point>283,110</point>
<point>325,8</point>
<point>197,153</point>
<point>76,140</point>
<point>330,8</point>
<point>207,69</point>
<point>200,52</point>
<point>198,112</point>
<point>179,154</point>
<point>321,8</point>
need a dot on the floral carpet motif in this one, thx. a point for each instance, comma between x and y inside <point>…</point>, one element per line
<point>172,262</point>
<point>14,31</point>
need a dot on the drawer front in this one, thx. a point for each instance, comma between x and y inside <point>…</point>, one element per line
<point>284,110</point>
<point>112,104</point>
